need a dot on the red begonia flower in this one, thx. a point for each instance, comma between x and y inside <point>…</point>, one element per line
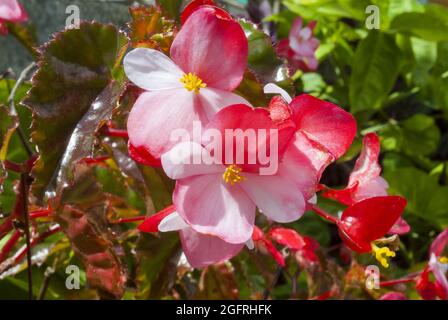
<point>11,11</point>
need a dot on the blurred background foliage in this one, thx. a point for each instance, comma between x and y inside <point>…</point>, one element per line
<point>394,80</point>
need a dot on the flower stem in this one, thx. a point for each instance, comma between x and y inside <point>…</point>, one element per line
<point>112,132</point>
<point>396,281</point>
<point>324,215</point>
<point>9,245</point>
<point>127,220</point>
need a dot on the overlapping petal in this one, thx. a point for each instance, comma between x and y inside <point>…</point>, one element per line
<point>214,47</point>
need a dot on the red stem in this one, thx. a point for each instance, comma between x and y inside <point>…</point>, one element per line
<point>40,213</point>
<point>112,132</point>
<point>324,215</point>
<point>22,252</point>
<point>9,245</point>
<point>126,220</point>
<point>396,281</point>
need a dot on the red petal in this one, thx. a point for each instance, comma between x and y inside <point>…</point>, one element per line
<point>393,296</point>
<point>424,287</point>
<point>369,220</point>
<point>439,243</point>
<point>257,234</point>
<point>195,5</point>
<point>325,123</point>
<point>141,155</point>
<point>287,237</point>
<point>243,117</point>
<point>152,223</point>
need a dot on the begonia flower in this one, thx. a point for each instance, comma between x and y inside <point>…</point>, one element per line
<point>207,60</point>
<point>393,296</point>
<point>266,246</point>
<point>219,197</point>
<point>200,250</point>
<point>324,132</point>
<point>363,225</point>
<point>438,266</point>
<point>365,181</point>
<point>11,11</point>
<point>300,47</point>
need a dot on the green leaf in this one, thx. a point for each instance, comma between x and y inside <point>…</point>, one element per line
<point>426,198</point>
<point>375,69</point>
<point>262,58</point>
<point>416,136</point>
<point>171,8</point>
<point>431,25</point>
<point>425,55</point>
<point>73,93</point>
<point>8,124</point>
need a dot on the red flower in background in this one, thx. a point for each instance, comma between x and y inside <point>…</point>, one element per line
<point>363,224</point>
<point>11,11</point>
<point>300,47</point>
<point>365,181</point>
<point>438,266</point>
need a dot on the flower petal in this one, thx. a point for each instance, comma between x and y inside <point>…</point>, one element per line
<point>367,166</point>
<point>13,11</point>
<point>152,70</point>
<point>214,47</point>
<point>151,224</point>
<point>400,227</point>
<point>188,159</point>
<point>276,197</point>
<point>439,244</point>
<point>212,207</point>
<point>287,237</point>
<point>325,123</point>
<point>369,220</point>
<point>156,115</point>
<point>172,222</point>
<point>202,250</point>
<point>212,100</point>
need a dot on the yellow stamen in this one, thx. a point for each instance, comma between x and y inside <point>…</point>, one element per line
<point>443,260</point>
<point>232,174</point>
<point>381,254</point>
<point>192,82</point>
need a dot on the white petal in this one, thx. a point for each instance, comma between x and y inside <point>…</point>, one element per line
<point>275,89</point>
<point>172,222</point>
<point>152,70</point>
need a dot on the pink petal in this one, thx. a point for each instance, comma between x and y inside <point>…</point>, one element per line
<point>156,115</point>
<point>393,296</point>
<point>202,250</point>
<point>247,119</point>
<point>400,227</point>
<point>325,123</point>
<point>152,70</point>
<point>195,5</point>
<point>303,169</point>
<point>213,47</point>
<point>294,33</point>
<point>439,271</point>
<point>439,244</point>
<point>13,11</point>
<point>367,166</point>
<point>376,187</point>
<point>276,197</point>
<point>212,100</point>
<point>172,222</point>
<point>211,206</point>
<point>188,159</point>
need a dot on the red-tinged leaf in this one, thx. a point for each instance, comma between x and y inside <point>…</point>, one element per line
<point>25,33</point>
<point>252,90</point>
<point>287,237</point>
<point>72,95</point>
<point>369,220</point>
<point>152,223</point>
<point>82,216</point>
<point>150,29</point>
<point>8,124</point>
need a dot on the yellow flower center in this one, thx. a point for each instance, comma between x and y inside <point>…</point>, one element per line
<point>192,82</point>
<point>443,260</point>
<point>232,175</point>
<point>382,254</point>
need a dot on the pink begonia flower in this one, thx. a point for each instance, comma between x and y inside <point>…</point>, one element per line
<point>323,134</point>
<point>438,263</point>
<point>220,199</point>
<point>11,11</point>
<point>365,181</point>
<point>200,250</point>
<point>208,59</point>
<point>300,47</point>
<point>393,296</point>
